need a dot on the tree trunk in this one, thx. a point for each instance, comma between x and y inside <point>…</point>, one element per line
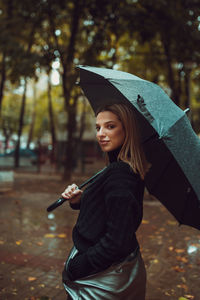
<point>7,134</point>
<point>30,136</point>
<point>188,93</point>
<point>175,96</point>
<point>68,79</point>
<point>80,145</point>
<point>21,123</point>
<point>51,118</point>
<point>68,84</point>
<point>3,80</point>
<point>70,156</point>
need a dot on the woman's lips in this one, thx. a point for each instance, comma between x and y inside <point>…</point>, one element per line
<point>103,142</point>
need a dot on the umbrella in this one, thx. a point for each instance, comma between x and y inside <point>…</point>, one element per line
<point>169,142</point>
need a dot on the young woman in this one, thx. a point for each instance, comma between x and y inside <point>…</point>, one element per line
<point>105,262</point>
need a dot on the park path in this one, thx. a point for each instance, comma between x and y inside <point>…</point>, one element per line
<point>34,244</point>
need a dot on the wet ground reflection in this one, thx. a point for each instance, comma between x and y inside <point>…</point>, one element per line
<point>34,245</point>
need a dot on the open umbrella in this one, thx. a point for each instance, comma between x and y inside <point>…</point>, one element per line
<point>170,144</point>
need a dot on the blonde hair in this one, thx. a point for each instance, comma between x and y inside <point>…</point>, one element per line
<point>131,151</point>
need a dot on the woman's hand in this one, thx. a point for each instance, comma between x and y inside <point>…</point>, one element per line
<point>72,193</point>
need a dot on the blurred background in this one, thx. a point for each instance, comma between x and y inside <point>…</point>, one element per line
<point>47,131</point>
<point>44,118</point>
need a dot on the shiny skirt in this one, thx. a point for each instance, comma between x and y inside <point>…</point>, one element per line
<point>125,280</point>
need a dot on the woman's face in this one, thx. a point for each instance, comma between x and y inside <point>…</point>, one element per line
<point>110,132</point>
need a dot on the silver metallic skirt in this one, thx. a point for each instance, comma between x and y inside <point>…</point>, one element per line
<point>126,280</point>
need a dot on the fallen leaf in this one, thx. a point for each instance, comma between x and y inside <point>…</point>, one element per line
<point>62,235</point>
<point>189,296</point>
<point>183,279</point>
<point>183,286</point>
<point>31,278</point>
<point>178,269</point>
<point>32,288</point>
<point>145,222</point>
<point>2,242</point>
<point>179,250</point>
<point>182,259</point>
<point>40,243</point>
<point>171,248</point>
<point>182,298</point>
<point>171,222</point>
<point>49,235</point>
<point>18,242</point>
<point>42,285</point>
<point>197,245</point>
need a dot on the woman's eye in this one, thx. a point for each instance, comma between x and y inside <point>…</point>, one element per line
<point>97,128</point>
<point>111,126</point>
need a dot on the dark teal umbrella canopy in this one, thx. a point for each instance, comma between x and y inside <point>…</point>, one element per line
<point>170,144</point>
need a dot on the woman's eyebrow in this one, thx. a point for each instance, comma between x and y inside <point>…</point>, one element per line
<point>106,122</point>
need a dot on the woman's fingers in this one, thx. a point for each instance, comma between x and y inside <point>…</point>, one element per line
<point>71,191</point>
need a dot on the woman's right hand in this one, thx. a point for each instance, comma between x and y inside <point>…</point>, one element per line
<point>72,193</point>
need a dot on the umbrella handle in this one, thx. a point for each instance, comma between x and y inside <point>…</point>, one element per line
<point>57,203</point>
<point>61,200</point>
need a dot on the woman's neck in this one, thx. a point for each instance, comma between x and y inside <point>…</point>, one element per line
<point>112,155</point>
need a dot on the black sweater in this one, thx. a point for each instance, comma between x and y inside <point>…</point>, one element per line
<point>110,213</point>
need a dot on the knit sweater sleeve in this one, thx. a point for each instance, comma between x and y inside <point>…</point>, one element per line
<point>123,217</point>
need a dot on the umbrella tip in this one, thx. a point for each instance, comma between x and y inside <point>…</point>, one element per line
<point>186,110</point>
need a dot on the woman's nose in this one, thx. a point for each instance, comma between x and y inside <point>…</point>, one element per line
<point>101,132</point>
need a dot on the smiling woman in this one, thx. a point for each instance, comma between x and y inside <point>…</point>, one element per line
<point>105,262</point>
<point>119,123</point>
<point>110,132</point>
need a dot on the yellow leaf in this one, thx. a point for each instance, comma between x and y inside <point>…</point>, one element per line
<point>49,235</point>
<point>182,298</point>
<point>2,242</point>
<point>31,278</point>
<point>145,222</point>
<point>62,235</point>
<point>171,222</point>
<point>171,248</point>
<point>18,242</point>
<point>179,250</point>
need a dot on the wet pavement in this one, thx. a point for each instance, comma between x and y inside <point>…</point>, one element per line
<point>34,244</point>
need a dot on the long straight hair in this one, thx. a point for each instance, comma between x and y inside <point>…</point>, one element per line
<point>131,151</point>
